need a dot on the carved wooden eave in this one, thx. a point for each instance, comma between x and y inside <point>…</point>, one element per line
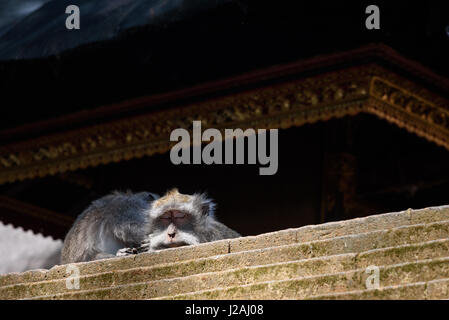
<point>307,97</point>
<point>8,204</point>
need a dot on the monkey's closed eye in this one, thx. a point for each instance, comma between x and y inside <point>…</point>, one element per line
<point>179,215</point>
<point>165,216</point>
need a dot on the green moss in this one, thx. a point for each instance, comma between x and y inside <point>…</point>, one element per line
<point>209,295</point>
<point>318,249</point>
<point>14,292</point>
<point>103,279</point>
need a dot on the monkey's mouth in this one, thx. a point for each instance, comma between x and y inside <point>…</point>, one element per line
<point>172,245</point>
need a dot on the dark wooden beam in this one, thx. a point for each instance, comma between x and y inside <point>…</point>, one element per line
<point>31,217</point>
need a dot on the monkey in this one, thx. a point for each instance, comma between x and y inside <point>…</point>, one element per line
<point>122,224</point>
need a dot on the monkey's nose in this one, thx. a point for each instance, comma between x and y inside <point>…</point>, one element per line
<point>172,235</point>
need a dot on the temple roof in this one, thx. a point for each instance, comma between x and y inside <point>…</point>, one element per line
<point>101,20</point>
<point>69,115</point>
<point>373,79</point>
<point>126,50</point>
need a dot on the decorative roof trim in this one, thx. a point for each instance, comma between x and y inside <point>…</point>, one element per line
<point>367,88</point>
<point>372,52</point>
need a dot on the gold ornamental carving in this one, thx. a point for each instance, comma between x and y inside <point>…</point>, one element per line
<point>369,88</point>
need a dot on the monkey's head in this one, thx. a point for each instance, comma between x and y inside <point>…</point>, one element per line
<point>179,220</point>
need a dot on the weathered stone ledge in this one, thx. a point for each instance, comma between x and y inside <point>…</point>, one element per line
<point>284,237</point>
<point>341,282</point>
<point>269,266</point>
<point>431,290</point>
<point>328,248</point>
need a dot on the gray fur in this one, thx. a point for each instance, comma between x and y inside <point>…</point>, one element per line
<point>110,223</point>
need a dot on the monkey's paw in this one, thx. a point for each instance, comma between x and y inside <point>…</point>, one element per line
<point>126,252</point>
<point>144,247</point>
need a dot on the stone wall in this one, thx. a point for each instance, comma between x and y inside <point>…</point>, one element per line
<point>405,253</point>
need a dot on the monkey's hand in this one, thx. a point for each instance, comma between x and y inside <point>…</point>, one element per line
<point>126,252</point>
<point>144,247</point>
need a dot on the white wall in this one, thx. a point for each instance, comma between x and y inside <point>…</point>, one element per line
<point>23,250</point>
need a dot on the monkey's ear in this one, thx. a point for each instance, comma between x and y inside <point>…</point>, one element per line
<point>205,205</point>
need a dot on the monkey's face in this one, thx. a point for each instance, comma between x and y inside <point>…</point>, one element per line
<point>174,228</point>
<point>178,220</point>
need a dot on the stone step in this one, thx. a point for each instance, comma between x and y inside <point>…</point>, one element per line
<point>341,228</point>
<point>410,280</point>
<point>280,238</point>
<point>431,290</point>
<point>332,267</point>
<point>330,247</point>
